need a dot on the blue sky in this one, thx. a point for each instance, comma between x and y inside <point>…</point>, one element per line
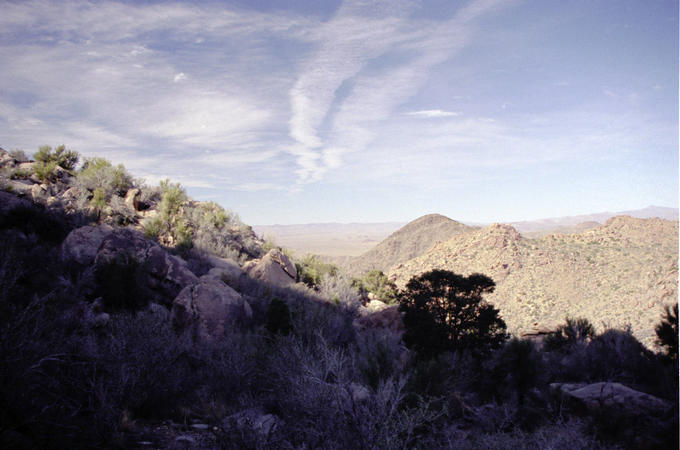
<point>358,111</point>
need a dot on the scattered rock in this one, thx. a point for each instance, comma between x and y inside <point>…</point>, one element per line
<point>255,420</point>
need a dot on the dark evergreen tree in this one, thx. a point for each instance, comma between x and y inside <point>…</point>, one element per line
<point>445,311</point>
<point>667,332</point>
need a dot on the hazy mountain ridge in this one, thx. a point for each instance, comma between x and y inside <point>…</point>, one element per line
<point>576,224</point>
<point>619,273</point>
<point>410,241</point>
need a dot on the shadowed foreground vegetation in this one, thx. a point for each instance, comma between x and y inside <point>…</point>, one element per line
<point>298,373</point>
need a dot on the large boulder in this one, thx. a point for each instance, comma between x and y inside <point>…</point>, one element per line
<point>209,308</point>
<point>274,268</point>
<point>165,275</point>
<point>82,244</point>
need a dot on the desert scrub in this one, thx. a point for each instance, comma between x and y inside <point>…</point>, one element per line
<point>377,282</point>
<point>171,226</point>
<point>60,156</point>
<point>312,271</point>
<point>21,174</point>
<point>45,171</point>
<point>99,173</point>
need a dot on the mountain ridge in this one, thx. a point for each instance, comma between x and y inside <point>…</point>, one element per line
<point>622,272</point>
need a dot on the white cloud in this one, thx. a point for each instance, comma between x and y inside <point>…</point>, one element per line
<point>433,113</point>
<point>179,77</point>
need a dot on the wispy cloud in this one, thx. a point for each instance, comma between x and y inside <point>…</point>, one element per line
<point>433,113</point>
<point>366,66</point>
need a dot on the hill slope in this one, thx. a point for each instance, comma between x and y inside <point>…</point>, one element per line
<point>622,272</point>
<point>410,241</point>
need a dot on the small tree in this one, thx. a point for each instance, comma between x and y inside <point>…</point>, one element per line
<point>667,332</point>
<point>446,311</point>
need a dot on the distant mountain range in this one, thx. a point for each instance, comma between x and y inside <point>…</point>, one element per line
<point>354,239</point>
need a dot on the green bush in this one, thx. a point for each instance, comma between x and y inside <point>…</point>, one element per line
<point>100,173</point>
<point>45,171</point>
<point>446,311</point>
<point>377,282</point>
<point>60,156</point>
<point>311,270</point>
<point>20,174</point>
<point>98,202</point>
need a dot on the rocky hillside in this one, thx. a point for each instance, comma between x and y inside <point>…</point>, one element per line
<point>622,272</point>
<point>410,241</point>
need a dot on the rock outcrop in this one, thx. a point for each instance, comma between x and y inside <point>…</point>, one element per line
<point>275,268</point>
<point>209,308</point>
<point>164,274</point>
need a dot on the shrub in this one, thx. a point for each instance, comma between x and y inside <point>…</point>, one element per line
<point>18,155</point>
<point>20,174</point>
<point>278,317</point>
<point>616,355</point>
<point>574,331</point>
<point>517,367</point>
<point>446,311</point>
<point>311,270</point>
<point>667,332</point>
<point>377,282</point>
<point>45,171</point>
<point>100,173</point>
<point>98,202</point>
<point>60,156</point>
<point>120,283</point>
<point>339,290</point>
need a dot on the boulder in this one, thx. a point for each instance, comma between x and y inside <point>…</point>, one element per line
<point>132,199</point>
<point>226,270</point>
<point>274,268</point>
<point>596,397</point>
<point>166,274</point>
<point>209,308</point>
<point>10,201</point>
<point>22,188</point>
<point>81,245</point>
<point>39,192</point>
<point>5,159</point>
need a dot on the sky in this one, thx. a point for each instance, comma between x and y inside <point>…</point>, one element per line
<point>289,111</point>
